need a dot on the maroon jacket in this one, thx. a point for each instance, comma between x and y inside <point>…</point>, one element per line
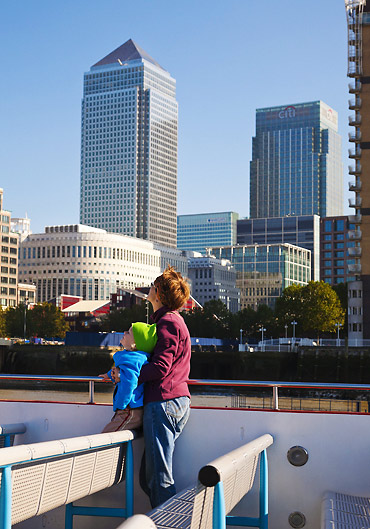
<point>167,372</point>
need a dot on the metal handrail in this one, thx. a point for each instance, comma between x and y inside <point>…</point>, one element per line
<point>275,385</point>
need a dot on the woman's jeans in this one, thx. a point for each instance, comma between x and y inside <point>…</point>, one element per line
<point>163,422</point>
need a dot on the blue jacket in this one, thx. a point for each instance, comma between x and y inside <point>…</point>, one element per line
<point>127,392</point>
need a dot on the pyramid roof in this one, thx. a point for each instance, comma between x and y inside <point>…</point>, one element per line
<point>129,51</point>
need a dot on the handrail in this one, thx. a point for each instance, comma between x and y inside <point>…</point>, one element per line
<point>57,378</point>
<point>275,385</point>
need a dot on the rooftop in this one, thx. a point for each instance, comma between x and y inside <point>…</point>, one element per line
<point>129,51</point>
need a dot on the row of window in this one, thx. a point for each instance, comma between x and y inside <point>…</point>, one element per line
<point>96,252</point>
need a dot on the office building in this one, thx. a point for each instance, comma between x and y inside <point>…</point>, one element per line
<point>296,166</point>
<point>83,261</point>
<point>301,231</point>
<point>9,259</point>
<point>265,270</point>
<point>22,226</point>
<point>336,250</point>
<point>198,232</point>
<point>129,147</point>
<point>358,21</point>
<point>214,279</point>
<point>26,293</point>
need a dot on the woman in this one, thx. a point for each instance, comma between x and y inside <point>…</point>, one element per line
<point>166,393</point>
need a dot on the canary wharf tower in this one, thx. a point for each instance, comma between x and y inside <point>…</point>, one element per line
<point>129,147</point>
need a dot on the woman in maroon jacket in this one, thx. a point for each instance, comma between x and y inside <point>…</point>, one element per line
<point>166,393</point>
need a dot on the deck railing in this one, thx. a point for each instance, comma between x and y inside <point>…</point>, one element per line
<point>221,388</point>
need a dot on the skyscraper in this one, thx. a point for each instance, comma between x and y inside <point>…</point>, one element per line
<point>358,23</point>
<point>296,166</point>
<point>129,146</point>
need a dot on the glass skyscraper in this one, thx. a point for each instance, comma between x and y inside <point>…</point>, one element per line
<point>129,147</point>
<point>296,166</point>
<point>200,231</point>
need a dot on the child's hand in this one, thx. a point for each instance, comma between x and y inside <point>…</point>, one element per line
<point>105,377</point>
<point>116,374</point>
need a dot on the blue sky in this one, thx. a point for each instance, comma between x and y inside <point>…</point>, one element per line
<point>228,57</point>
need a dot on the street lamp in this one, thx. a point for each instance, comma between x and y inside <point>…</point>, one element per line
<point>286,330</point>
<point>338,326</point>
<point>262,330</point>
<point>294,323</point>
<point>25,318</point>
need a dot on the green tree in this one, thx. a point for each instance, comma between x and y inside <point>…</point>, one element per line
<point>321,308</point>
<point>2,323</point>
<point>46,320</point>
<point>120,320</point>
<point>251,321</point>
<point>14,320</point>
<point>213,321</point>
<point>288,308</point>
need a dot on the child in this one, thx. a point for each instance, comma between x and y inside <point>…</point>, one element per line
<point>138,342</point>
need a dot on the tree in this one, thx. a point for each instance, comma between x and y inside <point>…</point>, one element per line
<point>120,320</point>
<point>2,323</point>
<point>321,308</point>
<point>251,320</point>
<point>46,320</point>
<point>14,320</point>
<point>289,307</point>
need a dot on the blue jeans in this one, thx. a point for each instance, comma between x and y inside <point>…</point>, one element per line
<point>163,422</point>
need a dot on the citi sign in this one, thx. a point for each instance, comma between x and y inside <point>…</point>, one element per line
<point>288,112</point>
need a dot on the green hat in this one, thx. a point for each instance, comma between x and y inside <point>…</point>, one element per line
<point>145,336</point>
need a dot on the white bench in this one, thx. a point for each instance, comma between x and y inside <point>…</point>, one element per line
<point>8,431</point>
<point>39,477</point>
<point>221,485</point>
<point>139,521</point>
<point>342,511</point>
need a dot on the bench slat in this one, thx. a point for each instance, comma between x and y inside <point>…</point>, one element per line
<point>343,511</point>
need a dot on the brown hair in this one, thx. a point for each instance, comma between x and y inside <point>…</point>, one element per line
<point>172,289</point>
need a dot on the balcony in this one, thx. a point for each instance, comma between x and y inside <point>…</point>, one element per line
<point>354,121</point>
<point>355,186</point>
<point>355,219</point>
<point>355,104</point>
<point>355,136</point>
<point>355,171</point>
<point>355,202</point>
<point>354,268</point>
<point>355,252</point>
<point>354,88</point>
<point>354,154</point>
<point>354,235</point>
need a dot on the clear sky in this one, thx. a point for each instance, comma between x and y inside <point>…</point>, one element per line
<point>229,57</point>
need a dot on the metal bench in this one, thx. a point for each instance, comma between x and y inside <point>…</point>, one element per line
<point>8,431</point>
<point>221,485</point>
<point>342,511</point>
<point>39,477</point>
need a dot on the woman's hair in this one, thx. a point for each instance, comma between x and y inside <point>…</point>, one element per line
<point>172,289</point>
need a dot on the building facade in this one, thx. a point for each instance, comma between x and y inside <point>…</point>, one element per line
<point>22,226</point>
<point>9,259</point>
<point>198,232</point>
<point>336,250</point>
<point>214,279</point>
<point>296,166</point>
<point>129,147</point>
<point>265,270</point>
<point>301,231</point>
<point>83,261</point>
<point>358,21</point>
